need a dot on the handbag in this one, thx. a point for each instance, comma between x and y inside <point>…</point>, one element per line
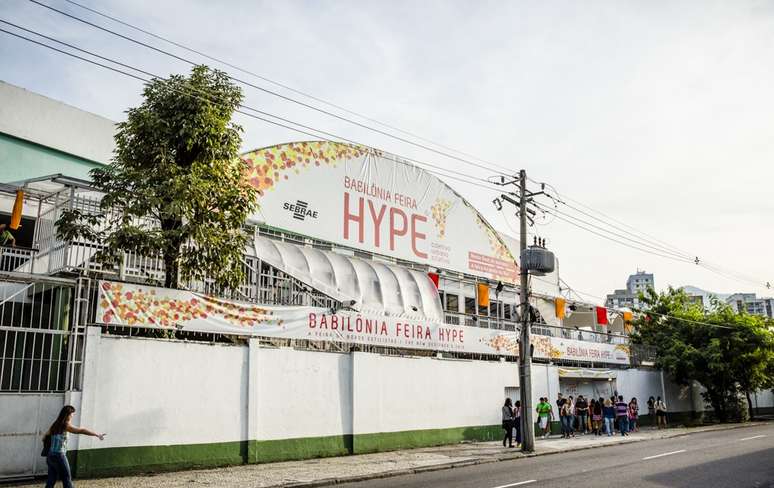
<point>46,446</point>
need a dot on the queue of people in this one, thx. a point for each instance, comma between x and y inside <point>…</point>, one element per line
<point>603,416</point>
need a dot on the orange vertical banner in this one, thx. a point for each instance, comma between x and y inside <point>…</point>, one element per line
<point>559,305</point>
<point>483,295</point>
<point>16,214</point>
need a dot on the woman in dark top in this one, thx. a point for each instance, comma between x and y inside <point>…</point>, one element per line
<point>508,422</point>
<point>517,420</point>
<point>596,417</point>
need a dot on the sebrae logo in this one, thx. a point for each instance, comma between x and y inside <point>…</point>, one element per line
<point>300,210</point>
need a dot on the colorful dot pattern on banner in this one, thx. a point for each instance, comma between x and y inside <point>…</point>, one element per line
<point>146,307</point>
<point>439,211</point>
<point>267,167</point>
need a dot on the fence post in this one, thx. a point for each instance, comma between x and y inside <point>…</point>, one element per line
<point>89,387</point>
<point>253,379</point>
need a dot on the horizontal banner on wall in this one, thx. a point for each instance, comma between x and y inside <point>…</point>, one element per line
<point>145,306</point>
<point>590,352</point>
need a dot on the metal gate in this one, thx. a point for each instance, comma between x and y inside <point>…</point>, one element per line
<point>41,350</point>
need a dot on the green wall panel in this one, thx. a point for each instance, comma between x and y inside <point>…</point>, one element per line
<point>20,160</point>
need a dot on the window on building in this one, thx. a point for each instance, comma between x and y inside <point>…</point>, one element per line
<point>507,311</point>
<point>452,303</point>
<point>494,309</point>
<point>470,305</point>
<point>484,311</point>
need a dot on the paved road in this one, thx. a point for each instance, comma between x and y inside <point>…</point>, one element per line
<point>735,458</point>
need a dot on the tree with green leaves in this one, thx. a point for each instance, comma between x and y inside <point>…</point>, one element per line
<point>728,353</point>
<point>175,189</point>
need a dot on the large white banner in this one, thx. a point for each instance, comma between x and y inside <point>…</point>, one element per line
<point>359,197</point>
<point>144,306</point>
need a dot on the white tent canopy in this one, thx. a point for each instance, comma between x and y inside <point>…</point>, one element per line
<point>374,287</point>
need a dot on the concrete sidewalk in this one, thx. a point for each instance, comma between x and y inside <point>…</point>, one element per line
<point>329,471</point>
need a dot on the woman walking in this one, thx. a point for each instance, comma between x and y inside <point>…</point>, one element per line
<point>608,412</point>
<point>508,422</point>
<point>634,413</point>
<point>55,447</point>
<point>596,417</point>
<point>517,421</point>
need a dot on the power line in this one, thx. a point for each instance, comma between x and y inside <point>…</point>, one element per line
<point>279,84</point>
<point>317,135</point>
<point>448,173</point>
<point>558,212</point>
<point>667,256</point>
<point>271,92</point>
<point>655,242</point>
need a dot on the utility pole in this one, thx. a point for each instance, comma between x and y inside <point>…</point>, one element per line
<point>541,261</point>
<point>525,358</point>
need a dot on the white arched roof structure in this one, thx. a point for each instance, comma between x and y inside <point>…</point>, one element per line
<point>374,287</point>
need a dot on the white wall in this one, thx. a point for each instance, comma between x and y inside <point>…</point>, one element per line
<point>149,392</point>
<point>763,399</point>
<point>303,394</point>
<point>156,392</point>
<point>641,384</point>
<point>394,394</point>
<point>545,383</point>
<point>32,117</point>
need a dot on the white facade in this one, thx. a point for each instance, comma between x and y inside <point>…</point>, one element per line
<point>47,122</point>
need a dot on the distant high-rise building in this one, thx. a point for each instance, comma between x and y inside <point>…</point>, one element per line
<point>740,302</point>
<point>750,303</point>
<point>636,283</point>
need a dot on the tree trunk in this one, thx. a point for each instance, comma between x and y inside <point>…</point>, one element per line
<point>171,251</point>
<point>170,270</point>
<point>749,405</point>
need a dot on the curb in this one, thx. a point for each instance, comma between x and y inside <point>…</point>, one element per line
<point>494,459</point>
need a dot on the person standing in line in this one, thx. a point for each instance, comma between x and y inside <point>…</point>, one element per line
<point>571,411</point>
<point>613,401</point>
<point>559,402</point>
<point>602,407</point>
<point>582,412</point>
<point>517,421</point>
<point>652,411</point>
<point>622,415</point>
<point>596,416</point>
<point>508,422</point>
<point>55,447</point>
<point>545,415</point>
<point>661,413</point>
<point>634,413</point>
<point>608,412</point>
<point>565,417</point>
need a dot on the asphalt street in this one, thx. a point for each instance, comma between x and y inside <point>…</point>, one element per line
<point>736,458</point>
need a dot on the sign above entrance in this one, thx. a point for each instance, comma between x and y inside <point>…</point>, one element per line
<point>362,198</point>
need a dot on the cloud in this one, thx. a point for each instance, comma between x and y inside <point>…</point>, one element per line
<point>658,113</point>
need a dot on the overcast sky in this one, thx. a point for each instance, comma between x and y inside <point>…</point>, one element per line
<point>656,113</point>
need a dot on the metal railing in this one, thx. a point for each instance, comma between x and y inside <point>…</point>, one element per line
<point>579,334</point>
<point>41,343</point>
<point>457,318</point>
<point>17,259</point>
<point>470,320</point>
